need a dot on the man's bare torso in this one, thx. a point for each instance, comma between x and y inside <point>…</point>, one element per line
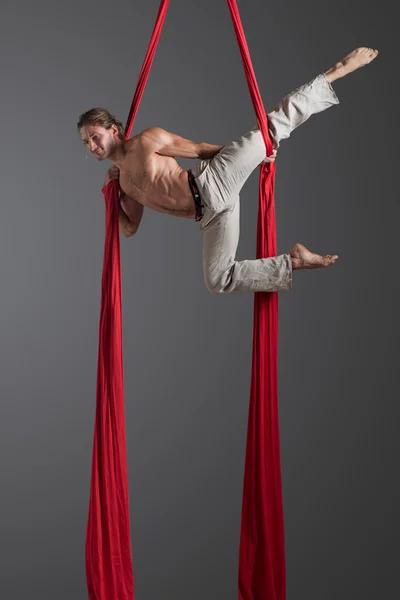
<point>154,180</point>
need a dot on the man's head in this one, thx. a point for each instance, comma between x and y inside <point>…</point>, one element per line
<point>100,132</point>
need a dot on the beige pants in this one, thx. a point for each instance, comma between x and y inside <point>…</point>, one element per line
<point>220,181</point>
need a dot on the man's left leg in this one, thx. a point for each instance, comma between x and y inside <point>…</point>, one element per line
<point>220,182</point>
<point>233,165</point>
<point>222,178</point>
<point>298,106</point>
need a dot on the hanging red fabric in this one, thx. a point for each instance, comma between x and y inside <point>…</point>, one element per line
<point>262,571</point>
<point>108,546</point>
<point>109,572</point>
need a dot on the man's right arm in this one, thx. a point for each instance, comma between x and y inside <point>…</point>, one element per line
<point>130,211</point>
<point>128,225</point>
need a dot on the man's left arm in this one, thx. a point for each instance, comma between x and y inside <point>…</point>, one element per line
<point>170,144</point>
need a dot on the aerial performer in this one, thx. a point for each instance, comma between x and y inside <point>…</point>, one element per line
<point>149,176</point>
<point>145,173</point>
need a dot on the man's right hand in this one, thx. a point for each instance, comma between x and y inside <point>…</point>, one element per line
<point>112,173</point>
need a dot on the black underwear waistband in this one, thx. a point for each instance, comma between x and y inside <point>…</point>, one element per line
<point>196,195</point>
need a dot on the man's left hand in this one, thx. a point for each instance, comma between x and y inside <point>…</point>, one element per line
<point>270,159</point>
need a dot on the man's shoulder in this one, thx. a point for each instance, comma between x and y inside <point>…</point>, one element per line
<point>134,143</point>
<point>154,135</point>
<point>131,142</point>
<point>150,140</point>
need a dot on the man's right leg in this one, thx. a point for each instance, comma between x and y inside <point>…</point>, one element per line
<point>223,274</point>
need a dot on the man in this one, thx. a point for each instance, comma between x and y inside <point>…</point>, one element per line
<point>150,176</point>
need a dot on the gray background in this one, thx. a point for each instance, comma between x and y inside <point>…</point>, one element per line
<point>187,353</point>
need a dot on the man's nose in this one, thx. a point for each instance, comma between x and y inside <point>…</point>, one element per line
<point>92,146</point>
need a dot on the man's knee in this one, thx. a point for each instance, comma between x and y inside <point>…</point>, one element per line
<point>219,282</point>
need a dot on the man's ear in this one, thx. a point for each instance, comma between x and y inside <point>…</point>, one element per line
<point>114,129</point>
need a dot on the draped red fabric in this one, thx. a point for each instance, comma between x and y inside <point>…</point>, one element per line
<point>109,572</point>
<point>262,570</point>
<point>108,547</point>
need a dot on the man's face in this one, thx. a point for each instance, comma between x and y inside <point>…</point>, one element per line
<point>99,141</point>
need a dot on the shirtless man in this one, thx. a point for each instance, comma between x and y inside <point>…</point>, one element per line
<point>150,176</point>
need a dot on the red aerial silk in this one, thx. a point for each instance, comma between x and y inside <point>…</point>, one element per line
<point>109,573</point>
<point>108,545</point>
<point>262,571</point>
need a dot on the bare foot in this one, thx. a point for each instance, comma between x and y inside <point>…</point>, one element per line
<point>304,259</point>
<point>351,62</point>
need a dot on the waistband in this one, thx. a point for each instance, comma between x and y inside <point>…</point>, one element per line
<point>196,195</point>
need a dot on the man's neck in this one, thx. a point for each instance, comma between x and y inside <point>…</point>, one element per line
<point>119,153</point>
